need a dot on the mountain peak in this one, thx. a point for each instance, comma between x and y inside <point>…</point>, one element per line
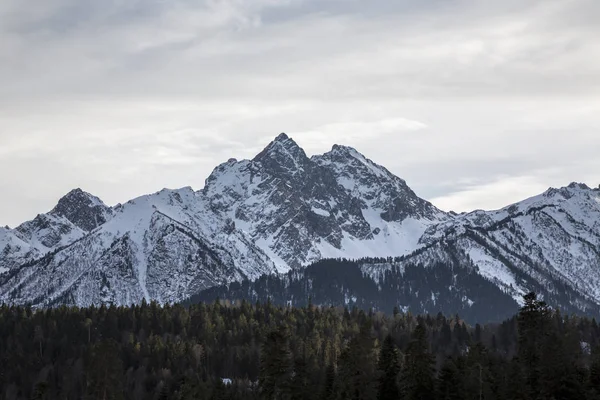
<point>282,137</point>
<point>283,154</point>
<point>346,155</point>
<point>282,141</point>
<point>83,209</point>
<point>75,192</point>
<point>80,196</point>
<point>578,185</point>
<point>346,151</point>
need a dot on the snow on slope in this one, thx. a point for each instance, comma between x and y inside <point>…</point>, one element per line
<point>156,247</point>
<point>549,241</point>
<point>14,250</point>
<point>48,231</point>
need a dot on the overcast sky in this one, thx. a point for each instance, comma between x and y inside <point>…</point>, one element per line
<point>475,103</point>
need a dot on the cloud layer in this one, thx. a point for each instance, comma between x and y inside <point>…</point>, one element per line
<point>476,104</point>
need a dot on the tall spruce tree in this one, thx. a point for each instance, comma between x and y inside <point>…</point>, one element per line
<point>105,372</point>
<point>328,390</point>
<point>389,368</point>
<point>594,374</point>
<point>300,385</point>
<point>533,326</point>
<point>358,378</point>
<point>418,382</point>
<point>449,383</point>
<point>276,366</point>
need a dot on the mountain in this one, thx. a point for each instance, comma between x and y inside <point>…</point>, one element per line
<point>300,210</point>
<point>283,211</point>
<point>162,247</point>
<point>549,242</point>
<point>75,215</point>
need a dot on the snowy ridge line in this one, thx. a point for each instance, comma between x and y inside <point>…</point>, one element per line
<point>283,211</point>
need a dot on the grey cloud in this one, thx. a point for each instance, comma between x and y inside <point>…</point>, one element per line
<point>124,97</point>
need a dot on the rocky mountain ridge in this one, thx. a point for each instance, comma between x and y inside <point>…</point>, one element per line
<point>283,210</point>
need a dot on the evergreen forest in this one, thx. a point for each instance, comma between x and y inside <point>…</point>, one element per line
<point>243,350</point>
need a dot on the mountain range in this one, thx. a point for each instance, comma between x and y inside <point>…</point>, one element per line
<point>273,216</point>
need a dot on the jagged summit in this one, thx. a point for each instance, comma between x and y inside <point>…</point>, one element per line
<point>282,137</point>
<point>283,155</point>
<point>83,209</point>
<point>578,185</point>
<point>338,148</point>
<point>77,196</point>
<point>333,205</point>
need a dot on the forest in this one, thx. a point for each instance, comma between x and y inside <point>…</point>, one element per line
<point>243,350</point>
<point>450,288</point>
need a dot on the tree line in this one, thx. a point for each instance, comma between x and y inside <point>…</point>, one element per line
<point>242,350</point>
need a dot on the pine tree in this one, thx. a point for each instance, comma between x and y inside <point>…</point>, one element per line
<point>105,372</point>
<point>516,387</point>
<point>39,391</point>
<point>449,385</point>
<point>533,321</point>
<point>389,368</point>
<point>594,376</point>
<point>358,366</point>
<point>300,385</point>
<point>163,393</point>
<point>328,391</point>
<point>276,366</point>
<point>418,376</point>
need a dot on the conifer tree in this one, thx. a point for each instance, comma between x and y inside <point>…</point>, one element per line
<point>389,368</point>
<point>533,321</point>
<point>301,385</point>
<point>449,385</point>
<point>328,391</point>
<point>358,366</point>
<point>276,366</point>
<point>594,375</point>
<point>105,372</point>
<point>418,374</point>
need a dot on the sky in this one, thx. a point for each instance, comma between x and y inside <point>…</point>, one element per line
<point>475,103</point>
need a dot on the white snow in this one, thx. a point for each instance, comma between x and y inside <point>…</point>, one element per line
<point>394,240</point>
<point>495,271</point>
<point>321,212</point>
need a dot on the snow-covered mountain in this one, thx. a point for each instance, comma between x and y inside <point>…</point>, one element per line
<point>549,242</point>
<point>284,210</point>
<point>75,215</point>
<point>163,247</point>
<point>300,210</point>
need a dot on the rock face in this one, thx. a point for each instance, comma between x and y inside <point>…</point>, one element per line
<point>284,210</point>
<point>85,211</point>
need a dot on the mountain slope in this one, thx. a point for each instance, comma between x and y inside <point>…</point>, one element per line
<point>448,286</point>
<point>156,247</point>
<point>552,239</point>
<point>75,215</point>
